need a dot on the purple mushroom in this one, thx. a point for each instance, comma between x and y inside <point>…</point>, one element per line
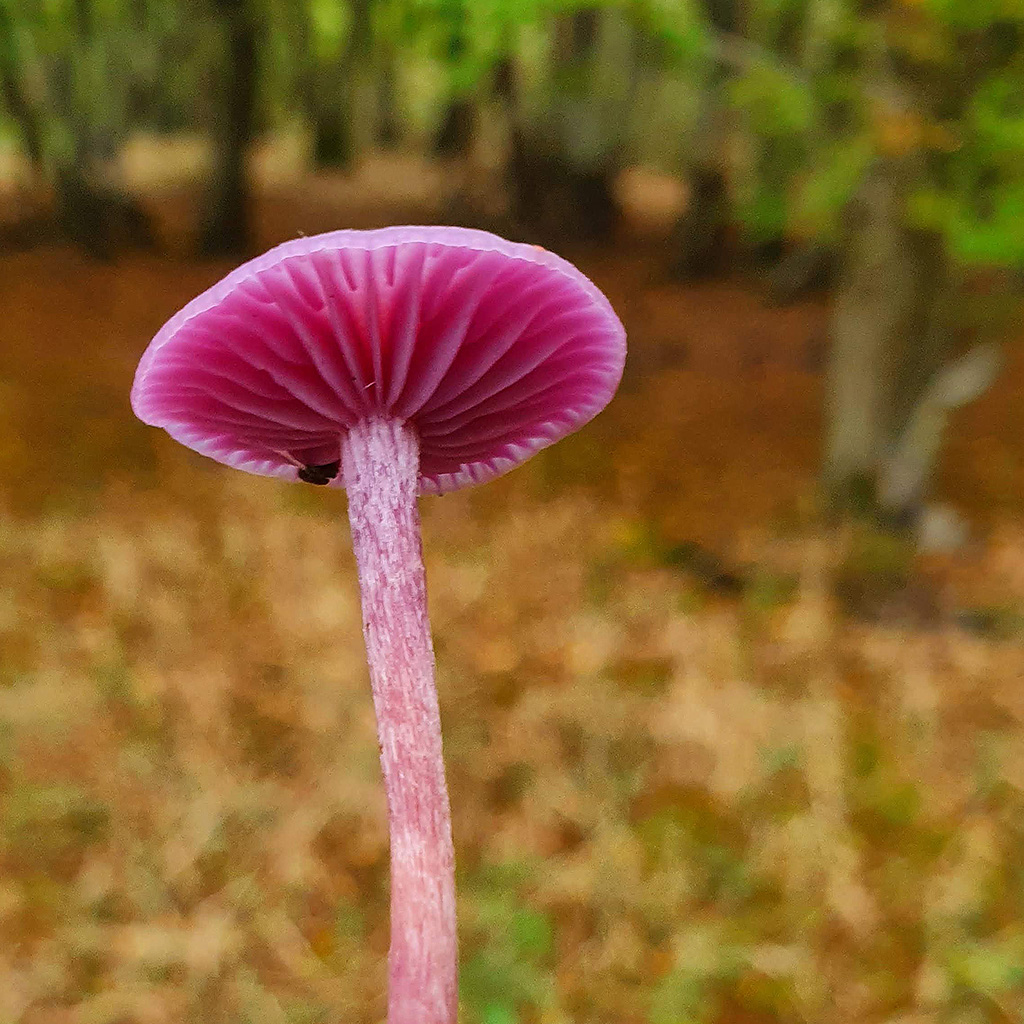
<point>404,361</point>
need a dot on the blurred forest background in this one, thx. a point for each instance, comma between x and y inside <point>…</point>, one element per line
<point>731,680</point>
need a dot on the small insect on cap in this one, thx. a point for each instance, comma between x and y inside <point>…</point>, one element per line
<point>490,349</point>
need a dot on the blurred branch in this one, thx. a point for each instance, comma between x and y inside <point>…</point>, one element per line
<point>905,473</point>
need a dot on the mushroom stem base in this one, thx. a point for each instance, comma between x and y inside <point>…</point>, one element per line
<point>380,462</point>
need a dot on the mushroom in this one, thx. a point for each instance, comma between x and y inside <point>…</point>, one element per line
<point>396,362</point>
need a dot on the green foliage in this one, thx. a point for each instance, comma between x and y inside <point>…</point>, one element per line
<point>509,970</point>
<point>680,27</point>
<point>465,36</point>
<point>329,24</point>
<point>969,15</point>
<point>764,210</point>
<point>86,73</point>
<point>779,103</point>
<point>804,74</point>
<point>937,85</point>
<point>829,185</point>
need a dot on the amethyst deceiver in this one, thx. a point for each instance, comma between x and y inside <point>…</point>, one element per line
<point>393,362</point>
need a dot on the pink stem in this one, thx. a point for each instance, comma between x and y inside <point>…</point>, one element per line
<point>380,462</point>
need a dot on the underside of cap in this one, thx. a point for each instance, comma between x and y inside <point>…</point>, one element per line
<point>490,349</point>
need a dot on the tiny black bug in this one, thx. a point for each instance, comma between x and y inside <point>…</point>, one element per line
<point>319,475</point>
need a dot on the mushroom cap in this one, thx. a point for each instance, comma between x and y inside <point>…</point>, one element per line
<point>490,349</point>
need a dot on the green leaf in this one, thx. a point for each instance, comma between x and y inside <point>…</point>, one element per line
<point>831,183</point>
<point>764,212</point>
<point>777,103</point>
<point>497,1014</point>
<point>531,933</point>
<point>995,239</point>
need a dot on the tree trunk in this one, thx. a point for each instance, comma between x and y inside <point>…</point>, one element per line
<point>454,137</point>
<point>876,291</point>
<point>345,95</point>
<point>388,119</point>
<point>891,383</point>
<point>227,228</point>
<point>563,165</point>
<point>25,116</point>
<point>700,238</point>
<point>90,209</point>
<point>363,108</point>
<point>320,90</point>
<point>332,146</point>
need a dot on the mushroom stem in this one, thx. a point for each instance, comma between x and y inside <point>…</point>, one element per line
<point>380,462</point>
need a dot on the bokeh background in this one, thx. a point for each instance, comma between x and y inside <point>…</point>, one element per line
<point>732,680</point>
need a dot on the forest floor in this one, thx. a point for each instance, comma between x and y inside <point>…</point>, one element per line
<point>786,787</point>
